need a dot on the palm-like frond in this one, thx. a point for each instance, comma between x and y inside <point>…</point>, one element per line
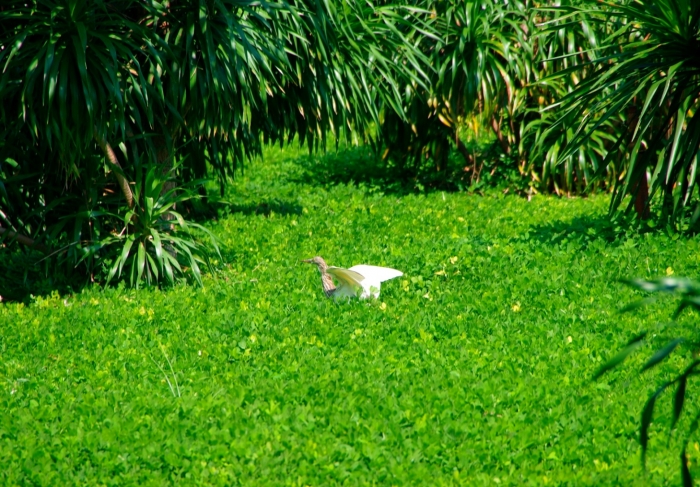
<point>469,72</point>
<point>561,52</point>
<point>653,77</point>
<point>96,87</point>
<point>500,65</point>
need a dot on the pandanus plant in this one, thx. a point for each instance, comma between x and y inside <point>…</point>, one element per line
<point>651,76</point>
<point>95,92</point>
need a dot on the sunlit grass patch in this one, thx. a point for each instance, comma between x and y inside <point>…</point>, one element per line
<point>476,365</point>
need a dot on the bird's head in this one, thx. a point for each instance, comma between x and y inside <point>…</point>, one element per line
<point>317,261</point>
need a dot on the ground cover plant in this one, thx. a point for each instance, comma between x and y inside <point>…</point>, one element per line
<point>475,368</point>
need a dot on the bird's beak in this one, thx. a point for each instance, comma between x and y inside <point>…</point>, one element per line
<point>308,261</point>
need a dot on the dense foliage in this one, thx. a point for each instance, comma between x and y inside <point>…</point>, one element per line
<point>95,93</point>
<point>569,95</point>
<point>475,366</point>
<point>653,78</point>
<point>541,96</point>
<point>497,67</point>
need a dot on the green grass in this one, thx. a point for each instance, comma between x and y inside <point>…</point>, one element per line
<point>473,369</point>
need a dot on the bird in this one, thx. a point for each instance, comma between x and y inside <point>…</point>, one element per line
<point>360,281</point>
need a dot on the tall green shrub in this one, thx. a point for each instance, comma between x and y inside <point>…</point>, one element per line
<point>96,92</point>
<point>651,76</point>
<point>493,66</point>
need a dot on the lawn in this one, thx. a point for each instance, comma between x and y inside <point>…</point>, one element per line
<point>473,369</point>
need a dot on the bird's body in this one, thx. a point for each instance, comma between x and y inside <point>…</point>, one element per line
<point>360,281</point>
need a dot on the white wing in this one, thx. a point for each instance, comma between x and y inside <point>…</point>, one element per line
<point>349,282</point>
<point>373,278</point>
<point>361,281</point>
<point>374,273</point>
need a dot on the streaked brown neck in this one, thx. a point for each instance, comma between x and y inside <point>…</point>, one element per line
<point>328,286</point>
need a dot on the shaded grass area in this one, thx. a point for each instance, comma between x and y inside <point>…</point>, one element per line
<point>27,273</point>
<point>472,369</point>
<point>364,167</point>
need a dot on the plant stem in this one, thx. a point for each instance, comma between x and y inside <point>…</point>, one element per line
<point>123,182</point>
<point>24,240</point>
<point>496,127</point>
<point>462,149</point>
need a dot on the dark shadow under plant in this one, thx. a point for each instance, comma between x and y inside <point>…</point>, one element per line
<point>266,208</point>
<point>588,229</point>
<point>362,166</point>
<point>25,274</point>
